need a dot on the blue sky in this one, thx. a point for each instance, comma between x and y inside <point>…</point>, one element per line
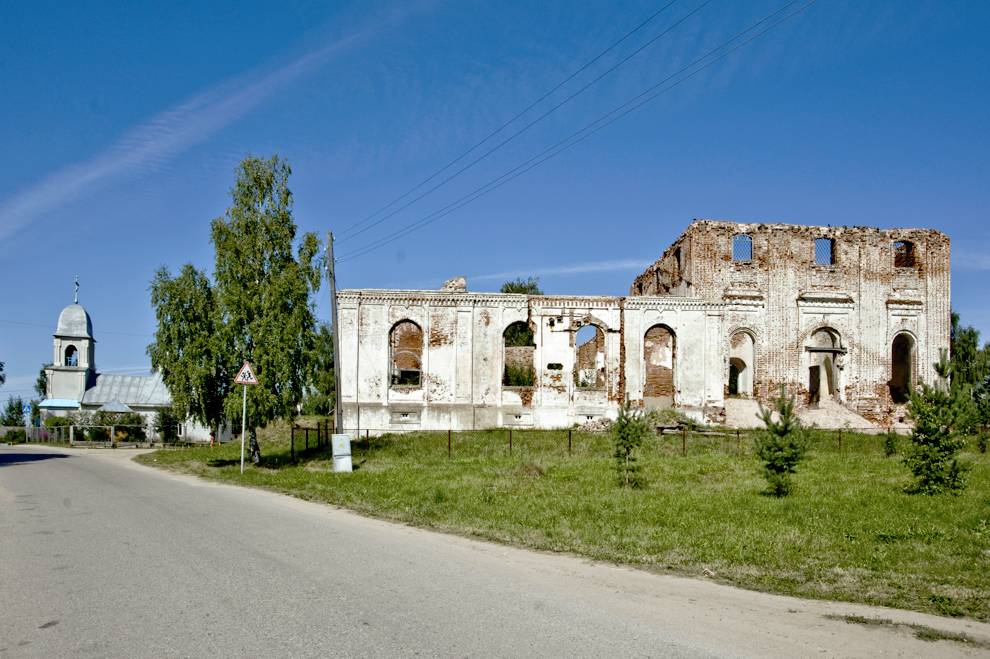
<point>121,126</point>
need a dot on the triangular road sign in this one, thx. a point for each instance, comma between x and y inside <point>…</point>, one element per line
<point>246,375</point>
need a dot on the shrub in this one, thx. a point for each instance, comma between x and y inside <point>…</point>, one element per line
<point>782,446</point>
<point>890,443</point>
<point>58,421</point>
<point>936,442</point>
<point>519,376</point>
<point>628,433</point>
<point>166,425</point>
<point>15,437</point>
<point>13,412</point>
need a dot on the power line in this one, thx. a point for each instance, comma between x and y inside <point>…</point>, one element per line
<point>510,121</point>
<point>588,130</point>
<point>525,128</point>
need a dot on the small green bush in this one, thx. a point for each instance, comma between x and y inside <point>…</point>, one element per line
<point>519,376</point>
<point>936,442</point>
<point>166,425</point>
<point>58,421</point>
<point>15,437</point>
<point>890,443</point>
<point>782,446</point>
<point>628,433</point>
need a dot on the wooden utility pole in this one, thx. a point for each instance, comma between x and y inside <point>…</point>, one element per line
<point>338,415</point>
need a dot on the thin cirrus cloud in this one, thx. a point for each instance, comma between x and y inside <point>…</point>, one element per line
<point>968,259</point>
<point>564,270</point>
<point>148,146</point>
<point>618,265</point>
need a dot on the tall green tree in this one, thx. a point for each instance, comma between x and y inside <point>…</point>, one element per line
<point>263,292</point>
<point>166,425</point>
<point>13,412</point>
<point>41,383</point>
<point>967,367</point>
<point>257,308</point>
<point>188,350</point>
<point>319,396</point>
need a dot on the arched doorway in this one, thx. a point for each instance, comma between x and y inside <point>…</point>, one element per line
<point>901,367</point>
<point>659,355</point>
<point>406,354</point>
<point>742,358</point>
<point>825,352</point>
<point>518,351</point>
<point>589,357</point>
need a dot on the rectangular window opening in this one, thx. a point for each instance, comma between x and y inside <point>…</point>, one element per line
<point>742,248</point>
<point>824,251</point>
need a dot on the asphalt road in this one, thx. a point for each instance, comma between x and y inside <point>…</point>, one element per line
<point>103,557</point>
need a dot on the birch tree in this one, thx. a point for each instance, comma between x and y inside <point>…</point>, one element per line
<point>257,308</point>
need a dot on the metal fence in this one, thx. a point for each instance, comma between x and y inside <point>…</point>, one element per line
<point>671,440</point>
<point>85,435</point>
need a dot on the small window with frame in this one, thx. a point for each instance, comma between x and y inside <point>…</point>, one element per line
<point>742,248</point>
<point>824,251</point>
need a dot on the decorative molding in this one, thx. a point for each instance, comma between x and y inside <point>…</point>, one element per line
<point>825,298</point>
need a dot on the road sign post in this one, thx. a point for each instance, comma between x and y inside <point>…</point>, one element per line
<point>245,377</point>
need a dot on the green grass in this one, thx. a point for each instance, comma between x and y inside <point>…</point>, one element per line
<point>849,532</point>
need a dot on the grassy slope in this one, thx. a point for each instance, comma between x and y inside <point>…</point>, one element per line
<point>848,533</point>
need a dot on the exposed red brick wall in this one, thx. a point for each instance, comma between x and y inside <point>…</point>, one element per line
<point>658,352</point>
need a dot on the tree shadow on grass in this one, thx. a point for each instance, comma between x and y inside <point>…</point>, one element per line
<point>278,460</point>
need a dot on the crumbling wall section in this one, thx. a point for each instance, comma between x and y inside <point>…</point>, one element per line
<point>868,293</point>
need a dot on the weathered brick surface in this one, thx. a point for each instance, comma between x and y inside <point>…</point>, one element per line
<point>687,315</point>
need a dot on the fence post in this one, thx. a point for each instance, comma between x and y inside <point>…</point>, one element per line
<point>448,443</point>
<point>569,441</point>
<point>683,441</point>
<point>738,442</point>
<point>306,430</point>
<point>72,434</point>
<point>113,437</point>
<point>292,442</point>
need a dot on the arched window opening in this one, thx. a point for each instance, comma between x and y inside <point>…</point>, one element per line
<point>742,358</point>
<point>659,354</point>
<point>71,356</point>
<point>406,354</point>
<point>901,368</point>
<point>589,358</point>
<point>742,248</point>
<point>903,254</point>
<point>825,348</point>
<point>824,251</point>
<point>518,352</point>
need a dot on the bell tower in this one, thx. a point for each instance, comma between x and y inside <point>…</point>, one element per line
<point>73,368</point>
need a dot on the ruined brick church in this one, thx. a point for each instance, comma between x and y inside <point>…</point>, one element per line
<point>845,316</point>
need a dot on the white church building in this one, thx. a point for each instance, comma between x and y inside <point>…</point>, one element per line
<point>74,385</point>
